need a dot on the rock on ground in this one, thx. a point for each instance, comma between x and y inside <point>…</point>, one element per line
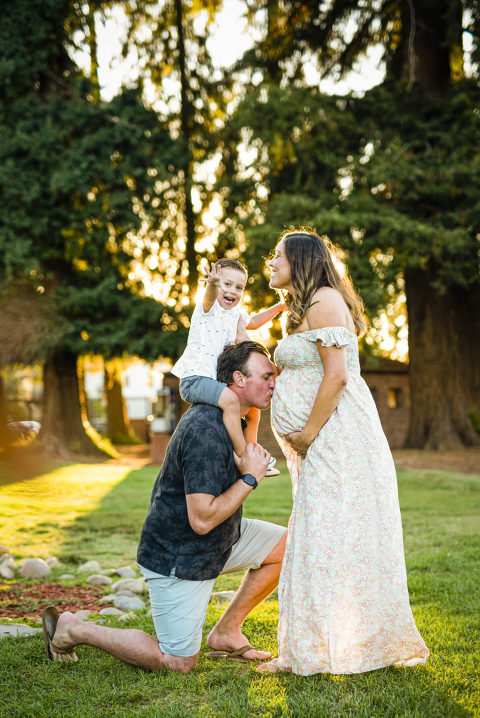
<point>137,585</point>
<point>125,572</point>
<point>99,580</point>
<point>83,614</point>
<point>126,603</point>
<point>10,562</point>
<point>34,568</point>
<point>89,567</point>
<point>127,617</point>
<point>52,561</point>
<point>110,612</point>
<point>17,629</point>
<point>6,571</point>
<point>222,596</point>
<point>107,599</point>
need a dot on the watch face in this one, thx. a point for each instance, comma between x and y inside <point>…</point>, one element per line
<point>250,480</point>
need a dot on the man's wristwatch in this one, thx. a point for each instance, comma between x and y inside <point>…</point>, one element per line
<point>250,480</point>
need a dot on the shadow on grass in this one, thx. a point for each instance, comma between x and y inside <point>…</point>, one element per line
<point>111,530</point>
<point>23,463</point>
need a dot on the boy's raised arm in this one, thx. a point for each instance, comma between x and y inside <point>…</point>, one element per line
<point>212,281</point>
<point>258,320</point>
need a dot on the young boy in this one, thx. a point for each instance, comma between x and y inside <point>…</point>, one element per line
<point>217,321</point>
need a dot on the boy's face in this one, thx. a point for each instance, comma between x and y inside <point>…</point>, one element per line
<point>232,284</point>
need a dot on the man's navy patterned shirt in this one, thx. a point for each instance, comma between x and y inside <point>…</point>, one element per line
<point>199,460</point>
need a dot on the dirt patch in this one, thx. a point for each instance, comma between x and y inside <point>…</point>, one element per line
<point>462,461</point>
<point>27,600</point>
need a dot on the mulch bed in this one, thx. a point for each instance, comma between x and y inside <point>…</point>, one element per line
<point>27,600</point>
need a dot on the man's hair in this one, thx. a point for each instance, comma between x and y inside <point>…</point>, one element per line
<point>235,358</point>
<point>232,264</point>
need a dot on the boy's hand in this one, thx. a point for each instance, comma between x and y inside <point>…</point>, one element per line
<point>241,335</point>
<point>214,275</point>
<point>253,461</point>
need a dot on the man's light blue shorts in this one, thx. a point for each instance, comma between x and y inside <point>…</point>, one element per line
<point>179,606</point>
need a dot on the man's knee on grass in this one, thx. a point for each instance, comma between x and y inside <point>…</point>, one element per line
<point>179,664</point>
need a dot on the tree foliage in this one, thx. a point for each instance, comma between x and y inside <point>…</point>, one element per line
<point>392,177</point>
<point>191,95</point>
<point>79,183</point>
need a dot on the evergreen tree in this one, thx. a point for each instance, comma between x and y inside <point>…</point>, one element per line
<point>391,177</point>
<point>78,181</point>
<point>192,95</point>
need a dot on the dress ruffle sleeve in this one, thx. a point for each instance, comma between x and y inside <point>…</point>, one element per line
<point>331,336</point>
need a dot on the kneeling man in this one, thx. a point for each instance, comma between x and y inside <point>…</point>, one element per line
<point>194,531</point>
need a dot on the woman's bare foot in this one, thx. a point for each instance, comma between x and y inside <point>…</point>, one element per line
<point>226,642</point>
<point>271,667</point>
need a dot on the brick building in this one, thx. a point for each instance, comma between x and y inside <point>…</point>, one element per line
<point>389,383</point>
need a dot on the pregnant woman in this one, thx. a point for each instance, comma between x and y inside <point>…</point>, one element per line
<point>343,597</point>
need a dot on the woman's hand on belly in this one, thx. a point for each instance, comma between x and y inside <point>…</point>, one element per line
<point>299,442</point>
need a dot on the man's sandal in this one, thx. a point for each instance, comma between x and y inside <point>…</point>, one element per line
<point>234,655</point>
<point>49,625</point>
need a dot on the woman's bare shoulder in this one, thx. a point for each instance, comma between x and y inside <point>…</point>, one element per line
<point>327,309</point>
<point>326,294</point>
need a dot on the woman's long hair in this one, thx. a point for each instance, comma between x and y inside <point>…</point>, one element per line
<point>312,266</point>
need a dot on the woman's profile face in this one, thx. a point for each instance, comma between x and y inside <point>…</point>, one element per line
<point>280,269</point>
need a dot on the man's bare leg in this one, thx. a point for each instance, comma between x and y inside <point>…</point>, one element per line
<point>257,584</point>
<point>127,644</point>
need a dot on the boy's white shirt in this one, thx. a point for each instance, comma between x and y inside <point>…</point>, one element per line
<point>209,334</point>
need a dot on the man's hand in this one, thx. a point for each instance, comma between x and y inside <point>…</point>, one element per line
<point>253,461</point>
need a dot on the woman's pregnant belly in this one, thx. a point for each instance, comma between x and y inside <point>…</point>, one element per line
<point>293,399</point>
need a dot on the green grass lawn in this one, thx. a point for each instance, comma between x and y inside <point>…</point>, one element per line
<point>85,511</point>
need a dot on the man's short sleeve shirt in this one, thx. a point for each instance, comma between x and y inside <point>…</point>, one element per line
<point>199,459</point>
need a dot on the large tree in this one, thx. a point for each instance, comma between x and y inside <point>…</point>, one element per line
<point>78,183</point>
<point>392,177</point>
<point>191,95</point>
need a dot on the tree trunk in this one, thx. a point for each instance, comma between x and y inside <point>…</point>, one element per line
<point>4,433</point>
<point>467,318</point>
<point>429,44</point>
<point>190,253</point>
<point>63,412</point>
<point>275,37</point>
<point>117,419</point>
<point>444,360</point>
<point>439,367</point>
<point>92,44</point>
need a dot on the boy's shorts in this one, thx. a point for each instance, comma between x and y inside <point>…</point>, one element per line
<point>179,606</point>
<point>201,390</point>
